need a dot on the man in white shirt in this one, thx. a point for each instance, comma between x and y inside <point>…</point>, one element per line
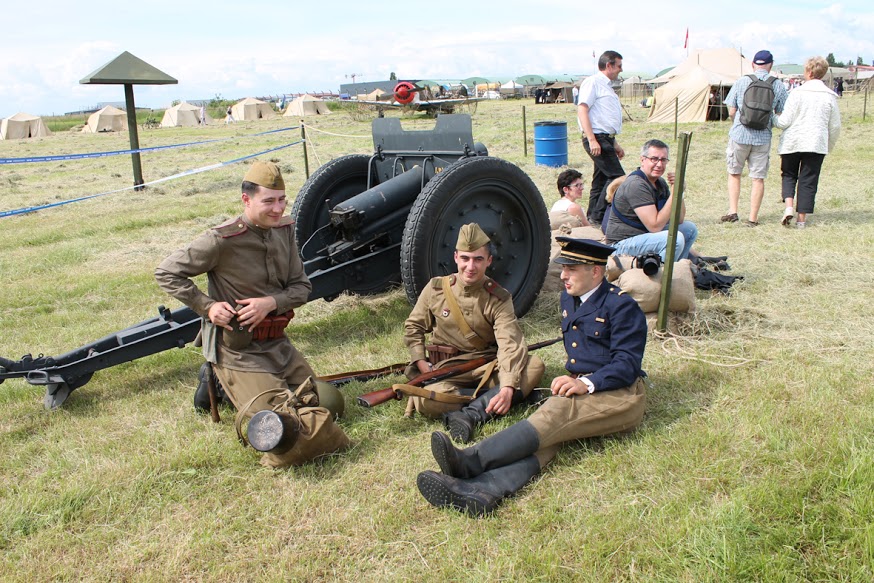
<point>599,113</point>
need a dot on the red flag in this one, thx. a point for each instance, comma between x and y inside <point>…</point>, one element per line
<point>686,44</point>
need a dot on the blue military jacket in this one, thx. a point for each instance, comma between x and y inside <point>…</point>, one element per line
<point>604,338</point>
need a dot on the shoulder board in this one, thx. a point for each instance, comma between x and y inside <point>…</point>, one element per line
<point>496,290</point>
<point>437,282</point>
<point>616,290</point>
<point>286,221</point>
<point>231,228</point>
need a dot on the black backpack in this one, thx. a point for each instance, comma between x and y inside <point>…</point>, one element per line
<point>758,102</point>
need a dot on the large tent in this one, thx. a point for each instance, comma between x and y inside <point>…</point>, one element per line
<point>108,119</point>
<point>183,114</point>
<point>251,108</point>
<point>694,96</point>
<point>726,62</point>
<point>306,105</point>
<point>23,125</point>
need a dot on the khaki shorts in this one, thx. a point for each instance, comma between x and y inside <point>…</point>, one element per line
<point>758,158</point>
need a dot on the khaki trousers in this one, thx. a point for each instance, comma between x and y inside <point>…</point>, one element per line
<point>531,377</point>
<point>562,419</point>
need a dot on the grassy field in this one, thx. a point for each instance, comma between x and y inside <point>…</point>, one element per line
<point>754,462</point>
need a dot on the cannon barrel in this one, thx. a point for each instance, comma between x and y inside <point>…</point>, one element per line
<point>379,201</point>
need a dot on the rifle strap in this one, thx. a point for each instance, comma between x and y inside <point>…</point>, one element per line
<point>487,374</point>
<point>414,391</point>
<point>458,317</point>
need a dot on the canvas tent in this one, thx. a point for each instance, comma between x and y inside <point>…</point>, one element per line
<point>22,126</point>
<point>306,105</point>
<point>689,95</point>
<point>512,88</point>
<point>251,108</point>
<point>726,62</point>
<point>183,114</point>
<point>108,119</point>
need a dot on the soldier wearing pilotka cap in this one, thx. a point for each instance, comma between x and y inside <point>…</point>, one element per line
<point>468,315</point>
<point>604,334</point>
<point>255,280</point>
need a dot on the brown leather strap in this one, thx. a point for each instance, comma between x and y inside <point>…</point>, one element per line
<point>458,317</point>
<point>431,395</point>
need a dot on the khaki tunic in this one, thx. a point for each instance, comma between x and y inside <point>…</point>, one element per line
<point>241,261</point>
<point>244,261</point>
<point>488,310</point>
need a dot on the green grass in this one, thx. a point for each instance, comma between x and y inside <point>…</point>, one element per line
<point>754,461</point>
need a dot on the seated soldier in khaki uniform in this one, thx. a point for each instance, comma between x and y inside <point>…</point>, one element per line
<point>256,279</point>
<point>604,334</point>
<point>469,316</point>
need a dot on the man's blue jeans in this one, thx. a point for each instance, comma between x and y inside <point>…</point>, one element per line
<point>658,242</point>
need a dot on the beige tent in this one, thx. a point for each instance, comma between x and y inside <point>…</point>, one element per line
<point>372,96</point>
<point>251,108</point>
<point>183,114</point>
<point>689,95</point>
<point>108,119</point>
<point>23,125</point>
<point>726,62</point>
<point>306,105</point>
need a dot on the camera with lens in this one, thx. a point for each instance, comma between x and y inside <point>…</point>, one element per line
<point>649,263</point>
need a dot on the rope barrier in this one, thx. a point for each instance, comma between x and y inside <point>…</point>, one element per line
<point>333,134</point>
<point>31,209</point>
<point>59,157</point>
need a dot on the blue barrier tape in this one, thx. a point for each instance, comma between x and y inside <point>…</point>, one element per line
<point>58,157</point>
<point>31,209</point>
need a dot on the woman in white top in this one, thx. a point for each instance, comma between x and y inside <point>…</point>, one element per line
<point>570,186</point>
<point>811,124</point>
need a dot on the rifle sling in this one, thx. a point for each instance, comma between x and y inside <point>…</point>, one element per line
<point>458,317</point>
<point>414,391</point>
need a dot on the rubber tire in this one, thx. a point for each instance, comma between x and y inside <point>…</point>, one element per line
<point>504,201</point>
<point>337,181</point>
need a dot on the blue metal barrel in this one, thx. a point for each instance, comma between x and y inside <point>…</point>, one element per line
<point>550,143</point>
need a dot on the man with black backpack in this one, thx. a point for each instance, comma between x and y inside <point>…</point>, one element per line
<point>750,103</point>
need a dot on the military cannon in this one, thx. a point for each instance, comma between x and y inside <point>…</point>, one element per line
<point>365,224</point>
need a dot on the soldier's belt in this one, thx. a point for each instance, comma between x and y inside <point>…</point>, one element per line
<point>272,326</point>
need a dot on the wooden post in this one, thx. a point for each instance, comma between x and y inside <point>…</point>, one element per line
<point>676,115</point>
<point>524,133</point>
<point>670,252</point>
<point>865,104</point>
<point>132,134</point>
<point>306,160</point>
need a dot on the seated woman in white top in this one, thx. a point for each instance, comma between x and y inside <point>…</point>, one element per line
<point>570,186</point>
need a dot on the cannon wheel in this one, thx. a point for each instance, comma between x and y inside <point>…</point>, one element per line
<point>504,201</point>
<point>333,183</point>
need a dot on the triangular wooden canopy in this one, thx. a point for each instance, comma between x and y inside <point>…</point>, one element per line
<point>126,69</point>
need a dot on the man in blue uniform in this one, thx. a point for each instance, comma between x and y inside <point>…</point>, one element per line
<point>604,337</point>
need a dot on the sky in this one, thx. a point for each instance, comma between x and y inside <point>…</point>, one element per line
<point>258,48</point>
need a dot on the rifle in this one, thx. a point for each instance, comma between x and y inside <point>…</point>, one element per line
<point>363,375</point>
<point>381,396</point>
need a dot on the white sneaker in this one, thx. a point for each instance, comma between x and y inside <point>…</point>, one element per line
<point>788,215</point>
<point>800,224</point>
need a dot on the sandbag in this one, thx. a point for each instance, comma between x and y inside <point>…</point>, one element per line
<point>646,290</point>
<point>559,218</point>
<point>617,265</point>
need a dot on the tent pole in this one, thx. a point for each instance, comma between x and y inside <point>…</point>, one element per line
<point>676,115</point>
<point>132,133</point>
<point>306,160</point>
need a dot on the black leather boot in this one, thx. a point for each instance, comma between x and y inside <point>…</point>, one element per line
<point>477,496</point>
<point>201,393</point>
<point>463,424</point>
<point>518,441</point>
